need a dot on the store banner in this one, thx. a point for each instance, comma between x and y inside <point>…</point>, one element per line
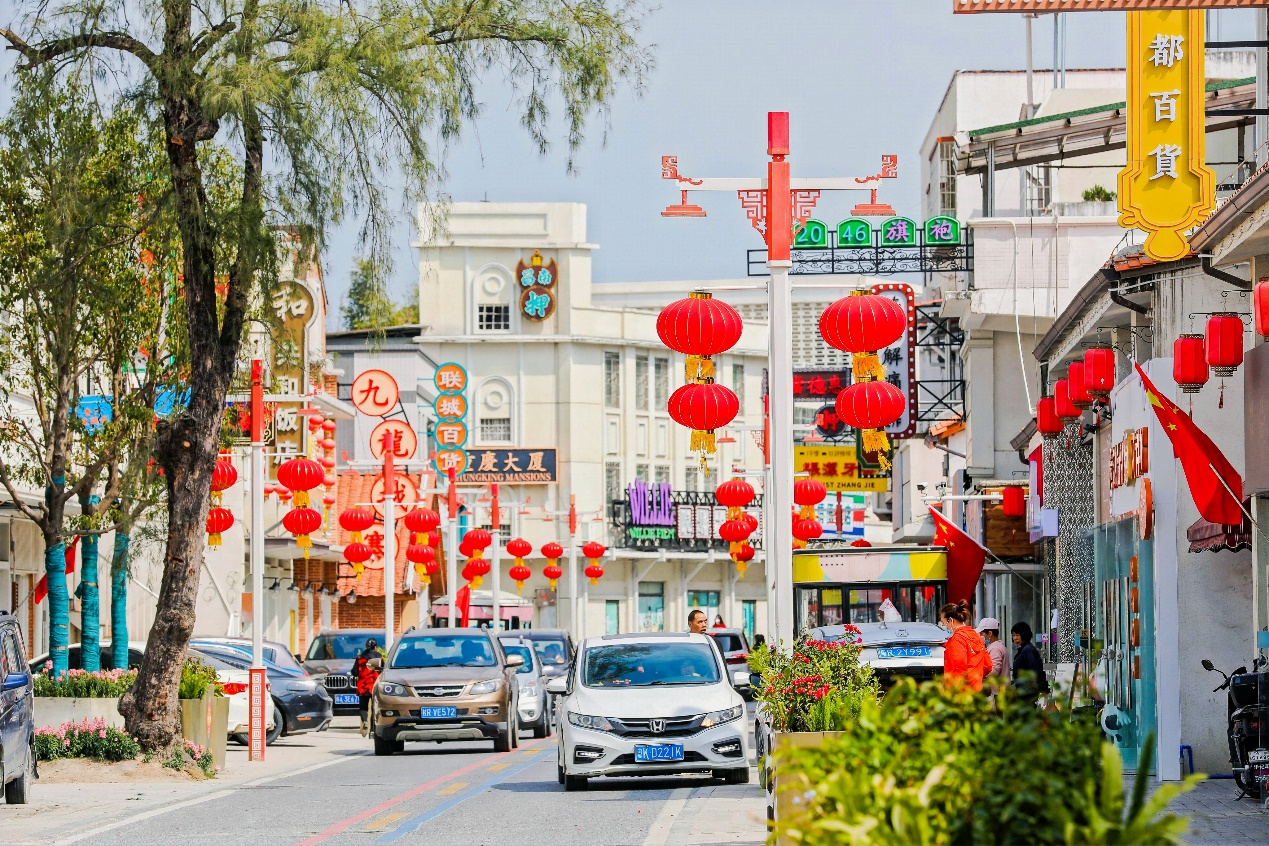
<point>837,468</point>
<point>654,516</point>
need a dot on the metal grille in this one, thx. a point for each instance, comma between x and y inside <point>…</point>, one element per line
<point>436,691</point>
<point>676,727</point>
<point>337,682</point>
<point>688,757</point>
<point>493,318</point>
<point>495,430</point>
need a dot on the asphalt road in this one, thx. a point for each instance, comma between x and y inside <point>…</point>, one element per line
<point>446,795</point>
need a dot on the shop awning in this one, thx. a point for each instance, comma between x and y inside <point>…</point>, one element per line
<point>1214,537</point>
<point>510,606</point>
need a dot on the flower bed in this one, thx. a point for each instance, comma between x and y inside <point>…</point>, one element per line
<point>85,739</point>
<point>818,686</point>
<point>191,754</point>
<point>78,684</point>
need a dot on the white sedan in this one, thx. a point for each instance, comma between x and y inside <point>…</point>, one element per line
<point>650,704</point>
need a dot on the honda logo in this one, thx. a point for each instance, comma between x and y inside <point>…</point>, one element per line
<point>657,726</point>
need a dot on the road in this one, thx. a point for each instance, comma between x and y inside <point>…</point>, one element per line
<point>338,793</point>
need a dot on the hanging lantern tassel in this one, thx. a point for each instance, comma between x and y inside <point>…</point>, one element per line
<point>1220,404</point>
<point>477,578</point>
<point>867,367</point>
<point>424,578</point>
<point>699,368</point>
<point>703,442</point>
<point>305,543</point>
<point>213,539</point>
<point>876,440</point>
<point>358,569</point>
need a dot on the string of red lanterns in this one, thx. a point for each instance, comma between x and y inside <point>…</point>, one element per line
<point>356,520</point>
<point>552,552</point>
<point>519,549</point>
<point>220,519</point>
<point>735,495</point>
<point>593,552</point>
<point>807,493</point>
<point>701,327</point>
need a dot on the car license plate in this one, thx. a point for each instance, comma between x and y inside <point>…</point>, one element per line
<point>438,712</point>
<point>659,752</point>
<point>1258,756</point>
<point>903,652</point>
<point>347,699</point>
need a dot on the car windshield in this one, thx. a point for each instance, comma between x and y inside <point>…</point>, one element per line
<point>550,652</point>
<point>443,651</point>
<point>339,647</point>
<point>523,652</point>
<point>646,664</point>
<point>729,642</point>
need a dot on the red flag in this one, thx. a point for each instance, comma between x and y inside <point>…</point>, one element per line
<point>1209,474</point>
<point>462,601</point>
<point>41,587</point>
<point>965,557</point>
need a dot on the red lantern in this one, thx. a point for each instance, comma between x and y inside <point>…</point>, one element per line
<point>224,475</point>
<point>433,567</point>
<point>594,572</point>
<point>519,548</point>
<point>750,521</point>
<point>703,408</point>
<point>1076,389</point>
<point>594,550</point>
<point>478,539</point>
<point>552,551</point>
<point>1260,307</point>
<point>356,520</point>
<point>432,539</point>
<point>328,426</point>
<point>870,405</point>
<point>552,572</point>
<point>742,555</point>
<point>301,475</point>
<point>809,492</point>
<point>736,493</point>
<point>805,529</point>
<point>733,531</point>
<point>219,521</point>
<point>481,566</point>
<point>699,326</point>
<point>1099,371</point>
<point>1189,363</point>
<point>520,574</point>
<point>419,553</point>
<point>420,520</point>
<point>357,554</point>
<point>860,543</point>
<point>469,573</point>
<point>863,322</point>
<point>1224,343</point>
<point>302,522</point>
<point>1047,421</point>
<point>465,549</point>
<point>1015,502</point>
<point>1066,410</point>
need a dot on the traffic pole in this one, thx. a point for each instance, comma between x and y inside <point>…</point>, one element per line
<point>389,540</point>
<point>451,551</point>
<point>495,583</point>
<point>255,725</point>
<point>575,623</point>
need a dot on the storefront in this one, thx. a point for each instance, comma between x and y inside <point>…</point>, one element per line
<point>835,586</point>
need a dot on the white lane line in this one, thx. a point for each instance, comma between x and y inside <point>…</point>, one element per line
<point>198,800</point>
<point>659,833</point>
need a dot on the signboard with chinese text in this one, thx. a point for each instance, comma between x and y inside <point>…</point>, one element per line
<point>375,392</point>
<point>820,383</point>
<point>293,306</point>
<point>969,7</point>
<point>1167,187</point>
<point>653,516</point>
<point>899,358</point>
<point>1130,458</point>
<point>837,468</point>
<point>511,466</point>
<point>407,491</point>
<point>854,506</point>
<point>828,424</point>
<point>450,408</point>
<point>407,440</point>
<point>537,281</point>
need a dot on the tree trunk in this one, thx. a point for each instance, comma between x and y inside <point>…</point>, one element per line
<point>89,597</point>
<point>58,605</point>
<point>119,601</point>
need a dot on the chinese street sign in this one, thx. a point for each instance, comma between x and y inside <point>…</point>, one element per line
<point>820,383</point>
<point>898,232</point>
<point>293,306</point>
<point>450,408</point>
<point>828,424</point>
<point>375,393</point>
<point>537,301</point>
<point>942,230</point>
<point>899,359</point>
<point>812,234</point>
<point>450,378</point>
<point>407,491</point>
<point>511,466</point>
<point>451,457</point>
<point>1167,187</point>
<point>407,441</point>
<point>837,468</point>
<point>969,7</point>
<point>451,433</point>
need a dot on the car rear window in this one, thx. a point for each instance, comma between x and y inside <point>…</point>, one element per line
<point>551,652</point>
<point>730,642</point>
<point>339,647</point>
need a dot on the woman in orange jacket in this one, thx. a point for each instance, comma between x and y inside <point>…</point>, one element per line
<point>965,656</point>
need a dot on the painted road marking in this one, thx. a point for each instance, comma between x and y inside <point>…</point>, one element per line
<point>383,822</point>
<point>452,789</point>
<point>501,766</point>
<point>415,823</point>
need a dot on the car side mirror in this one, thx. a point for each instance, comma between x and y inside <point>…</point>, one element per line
<point>557,686</point>
<point>515,660</point>
<point>13,681</point>
<point>755,681</point>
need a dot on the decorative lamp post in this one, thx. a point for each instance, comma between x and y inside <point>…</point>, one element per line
<point>1189,363</point>
<point>1099,371</point>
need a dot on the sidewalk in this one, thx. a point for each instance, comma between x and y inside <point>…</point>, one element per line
<point>1220,820</point>
<point>712,816</point>
<point>69,813</point>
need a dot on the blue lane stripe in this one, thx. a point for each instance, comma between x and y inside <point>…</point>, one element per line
<point>414,823</point>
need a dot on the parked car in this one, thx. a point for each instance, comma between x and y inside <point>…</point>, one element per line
<point>17,715</point>
<point>236,686</point>
<point>650,704</point>
<point>554,648</point>
<point>446,684</point>
<point>534,712</point>
<point>271,650</point>
<point>301,703</point>
<point>330,659</point>
<point>735,648</point>
<point>75,659</point>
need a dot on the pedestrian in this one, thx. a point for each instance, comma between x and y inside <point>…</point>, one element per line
<point>718,622</point>
<point>366,672</point>
<point>989,628</point>
<point>965,655</point>
<point>1028,665</point>
<point>697,622</point>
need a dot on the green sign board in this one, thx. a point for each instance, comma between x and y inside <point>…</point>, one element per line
<point>942,230</point>
<point>854,232</point>
<point>898,232</point>
<point>812,234</point>
<point>857,232</point>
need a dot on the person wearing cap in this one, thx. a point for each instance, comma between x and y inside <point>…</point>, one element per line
<point>989,628</point>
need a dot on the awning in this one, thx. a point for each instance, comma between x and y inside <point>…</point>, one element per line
<point>1214,537</point>
<point>510,606</point>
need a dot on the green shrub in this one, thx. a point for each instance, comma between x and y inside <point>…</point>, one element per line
<point>197,679</point>
<point>1098,194</point>
<point>78,684</point>
<point>85,739</point>
<point>185,754</point>
<point>944,766</point>
<point>818,686</point>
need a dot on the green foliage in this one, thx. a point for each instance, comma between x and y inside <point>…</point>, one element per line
<point>185,754</point>
<point>1098,194</point>
<point>197,679</point>
<point>85,739</point>
<point>368,306</point>
<point>78,684</point>
<point>818,686</point>
<point>937,765</point>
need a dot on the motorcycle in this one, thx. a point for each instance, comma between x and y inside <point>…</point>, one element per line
<point>1247,698</point>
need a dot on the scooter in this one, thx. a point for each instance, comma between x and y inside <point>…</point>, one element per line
<point>1247,698</point>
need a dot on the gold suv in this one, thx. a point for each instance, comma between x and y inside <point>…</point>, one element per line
<point>446,684</point>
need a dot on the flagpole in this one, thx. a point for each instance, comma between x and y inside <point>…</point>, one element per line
<point>993,555</point>
<point>1235,498</point>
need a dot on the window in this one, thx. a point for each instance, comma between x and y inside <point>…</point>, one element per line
<point>612,380</point>
<point>1037,190</point>
<point>441,650</point>
<point>644,664</point>
<point>493,317</point>
<point>641,383</point>
<point>662,474</point>
<point>494,410</point>
<point>612,617</point>
<point>661,380</point>
<point>738,384</point>
<point>748,617</point>
<point>495,429</point>
<point>651,606</point>
<point>947,177</point>
<point>641,473</point>
<point>612,482</point>
<point>704,600</point>
<point>692,479</point>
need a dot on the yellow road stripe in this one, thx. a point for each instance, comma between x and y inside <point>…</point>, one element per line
<point>453,788</point>
<point>501,766</point>
<point>383,822</point>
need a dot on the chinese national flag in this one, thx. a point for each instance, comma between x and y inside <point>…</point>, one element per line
<point>41,587</point>
<point>462,601</point>
<point>965,557</point>
<point>1204,464</point>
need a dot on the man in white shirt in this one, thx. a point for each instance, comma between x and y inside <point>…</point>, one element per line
<point>989,628</point>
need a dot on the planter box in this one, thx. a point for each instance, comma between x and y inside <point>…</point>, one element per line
<point>55,710</point>
<point>206,722</point>
<point>782,800</point>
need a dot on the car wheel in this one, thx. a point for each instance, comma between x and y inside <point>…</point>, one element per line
<point>18,791</point>
<point>736,776</point>
<point>503,742</point>
<point>384,746</point>
<point>279,723</point>
<point>573,784</point>
<point>240,739</point>
<point>515,731</point>
<point>543,728</point>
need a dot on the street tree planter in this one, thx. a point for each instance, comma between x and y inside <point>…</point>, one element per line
<point>205,722</point>
<point>55,710</point>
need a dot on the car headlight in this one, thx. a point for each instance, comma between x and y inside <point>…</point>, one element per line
<point>394,689</point>
<point>587,722</point>
<point>487,686</point>
<point>714,718</point>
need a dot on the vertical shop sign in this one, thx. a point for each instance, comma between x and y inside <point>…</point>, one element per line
<point>451,423</point>
<point>1166,187</point>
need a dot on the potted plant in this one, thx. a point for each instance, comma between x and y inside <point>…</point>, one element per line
<point>204,709</point>
<point>77,695</point>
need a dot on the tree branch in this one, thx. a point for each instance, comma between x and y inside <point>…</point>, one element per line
<point>46,52</point>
